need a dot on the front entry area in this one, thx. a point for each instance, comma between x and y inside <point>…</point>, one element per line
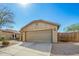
<point>39,36</point>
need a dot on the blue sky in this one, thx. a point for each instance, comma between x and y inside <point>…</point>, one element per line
<point>64,14</point>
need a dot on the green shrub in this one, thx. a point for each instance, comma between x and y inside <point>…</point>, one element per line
<point>5,42</point>
<point>2,38</point>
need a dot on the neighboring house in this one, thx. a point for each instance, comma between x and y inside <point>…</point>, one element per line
<point>10,34</point>
<point>39,31</point>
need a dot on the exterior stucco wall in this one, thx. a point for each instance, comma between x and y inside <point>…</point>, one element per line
<point>23,35</point>
<point>39,26</point>
<point>54,37</point>
<point>5,34</point>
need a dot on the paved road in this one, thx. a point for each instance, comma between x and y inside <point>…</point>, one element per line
<point>27,49</point>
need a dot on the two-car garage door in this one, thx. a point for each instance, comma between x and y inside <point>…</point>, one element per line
<point>39,36</point>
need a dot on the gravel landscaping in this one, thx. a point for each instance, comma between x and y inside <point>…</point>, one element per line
<point>65,49</point>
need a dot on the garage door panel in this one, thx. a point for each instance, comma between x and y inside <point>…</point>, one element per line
<point>39,36</point>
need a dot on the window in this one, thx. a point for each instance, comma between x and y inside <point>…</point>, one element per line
<point>46,24</point>
<point>40,24</point>
<point>35,24</point>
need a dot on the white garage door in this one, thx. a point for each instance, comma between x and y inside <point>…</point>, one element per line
<point>39,36</point>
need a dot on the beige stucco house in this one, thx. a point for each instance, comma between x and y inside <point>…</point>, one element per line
<point>39,31</point>
<point>9,34</point>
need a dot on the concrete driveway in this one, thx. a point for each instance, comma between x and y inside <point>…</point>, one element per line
<point>27,49</point>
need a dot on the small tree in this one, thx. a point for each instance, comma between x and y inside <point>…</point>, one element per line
<point>73,27</point>
<point>6,17</point>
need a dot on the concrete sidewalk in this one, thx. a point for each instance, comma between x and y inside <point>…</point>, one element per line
<point>27,49</point>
